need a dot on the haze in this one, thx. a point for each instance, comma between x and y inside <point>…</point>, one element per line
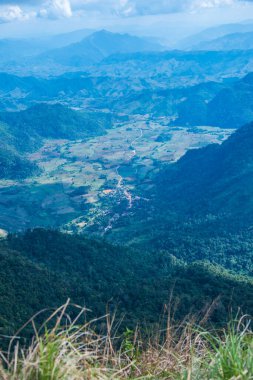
<point>167,19</point>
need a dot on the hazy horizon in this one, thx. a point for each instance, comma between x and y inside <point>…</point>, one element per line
<point>167,20</point>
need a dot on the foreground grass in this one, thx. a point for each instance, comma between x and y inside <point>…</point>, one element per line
<point>71,350</point>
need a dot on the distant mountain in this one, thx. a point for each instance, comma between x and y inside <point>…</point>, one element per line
<point>60,40</point>
<point>231,107</point>
<point>177,68</point>
<point>239,41</point>
<point>12,49</point>
<point>215,33</point>
<point>98,46</point>
<point>168,102</point>
<point>17,49</point>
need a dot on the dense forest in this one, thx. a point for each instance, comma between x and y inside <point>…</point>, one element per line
<point>136,284</point>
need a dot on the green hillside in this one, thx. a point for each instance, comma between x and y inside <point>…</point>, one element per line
<point>201,207</point>
<point>54,266</point>
<point>231,107</point>
<point>23,132</point>
<point>55,121</point>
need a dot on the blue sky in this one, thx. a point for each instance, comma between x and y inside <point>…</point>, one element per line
<point>156,17</point>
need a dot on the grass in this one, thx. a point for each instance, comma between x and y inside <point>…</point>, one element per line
<point>72,350</point>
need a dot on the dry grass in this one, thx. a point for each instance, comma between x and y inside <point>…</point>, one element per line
<point>72,350</point>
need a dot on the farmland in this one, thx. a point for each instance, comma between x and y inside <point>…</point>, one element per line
<point>84,181</point>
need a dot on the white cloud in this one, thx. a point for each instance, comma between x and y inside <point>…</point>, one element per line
<point>149,7</point>
<point>212,3</point>
<point>53,9</point>
<point>12,13</point>
<point>56,9</point>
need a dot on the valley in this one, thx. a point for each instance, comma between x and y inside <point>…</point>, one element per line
<point>89,184</point>
<point>126,191</point>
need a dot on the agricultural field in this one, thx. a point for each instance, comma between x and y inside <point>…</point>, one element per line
<point>84,181</point>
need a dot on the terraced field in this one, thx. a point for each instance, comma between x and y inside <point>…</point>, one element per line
<point>83,182</point>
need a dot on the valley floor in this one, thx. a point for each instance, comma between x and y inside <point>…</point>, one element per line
<point>82,181</point>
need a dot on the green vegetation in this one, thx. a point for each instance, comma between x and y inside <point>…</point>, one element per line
<point>14,166</point>
<point>53,121</point>
<point>200,207</point>
<point>120,171</point>
<point>78,183</point>
<point>227,107</point>
<point>24,131</point>
<point>74,349</point>
<point>55,266</point>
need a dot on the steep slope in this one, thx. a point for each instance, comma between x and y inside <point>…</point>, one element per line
<point>200,207</point>
<point>44,268</point>
<point>97,46</point>
<point>231,107</point>
<point>14,166</point>
<point>218,178</point>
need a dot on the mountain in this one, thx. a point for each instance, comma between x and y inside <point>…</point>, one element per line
<point>24,131</point>
<point>54,266</point>
<point>239,41</point>
<point>177,68</point>
<point>15,49</point>
<point>63,39</point>
<point>98,46</point>
<point>215,33</point>
<point>231,107</point>
<point>54,121</point>
<point>12,49</point>
<point>200,207</point>
<point>14,166</point>
<point>185,103</point>
<point>218,179</point>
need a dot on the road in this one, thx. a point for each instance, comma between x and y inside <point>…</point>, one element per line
<point>121,188</point>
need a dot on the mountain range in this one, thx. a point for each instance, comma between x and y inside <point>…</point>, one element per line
<point>214,33</point>
<point>96,47</point>
<point>15,49</point>
<point>231,107</point>
<point>94,145</point>
<point>234,41</point>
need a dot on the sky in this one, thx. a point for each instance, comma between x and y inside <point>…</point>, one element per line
<point>160,18</point>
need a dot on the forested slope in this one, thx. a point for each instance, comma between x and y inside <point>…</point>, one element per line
<point>43,268</point>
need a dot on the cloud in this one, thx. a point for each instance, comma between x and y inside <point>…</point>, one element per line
<point>150,7</point>
<point>12,13</point>
<point>143,7</point>
<point>56,9</point>
<point>212,3</point>
<point>22,9</point>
